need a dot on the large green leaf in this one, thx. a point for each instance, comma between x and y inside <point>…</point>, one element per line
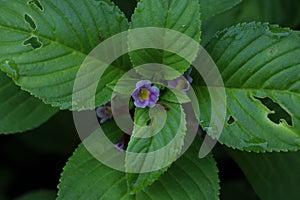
<point>43,44</point>
<point>157,151</point>
<point>210,8</point>
<point>272,175</point>
<point>258,63</point>
<point>237,189</point>
<point>19,110</point>
<point>281,12</point>
<point>188,178</point>
<point>182,16</point>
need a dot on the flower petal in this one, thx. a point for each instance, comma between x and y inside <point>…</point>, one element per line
<point>143,83</point>
<point>141,104</point>
<point>100,112</point>
<point>135,94</point>
<point>154,90</point>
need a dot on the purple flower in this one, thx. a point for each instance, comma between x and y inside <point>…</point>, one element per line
<point>123,142</point>
<point>145,94</point>
<point>104,112</point>
<point>180,83</point>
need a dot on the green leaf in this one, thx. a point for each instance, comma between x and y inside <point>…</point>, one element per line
<point>279,12</point>
<point>19,110</point>
<point>210,8</point>
<point>237,189</point>
<point>189,178</point>
<point>258,62</point>
<point>38,195</point>
<point>166,129</point>
<point>175,96</point>
<point>45,43</point>
<point>283,13</point>
<point>182,16</point>
<point>272,175</point>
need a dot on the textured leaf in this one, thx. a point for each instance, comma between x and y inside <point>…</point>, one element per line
<point>272,175</point>
<point>45,43</point>
<point>258,62</point>
<point>175,96</point>
<point>169,128</point>
<point>188,178</point>
<point>210,8</point>
<point>281,12</point>
<point>182,16</point>
<point>19,110</point>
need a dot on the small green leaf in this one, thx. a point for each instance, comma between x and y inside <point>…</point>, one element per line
<point>158,135</point>
<point>257,61</point>
<point>190,178</point>
<point>45,43</point>
<point>182,16</point>
<point>19,110</point>
<point>272,175</point>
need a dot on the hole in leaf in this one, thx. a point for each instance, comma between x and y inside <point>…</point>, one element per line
<point>37,3</point>
<point>278,113</point>
<point>231,120</point>
<point>34,42</point>
<point>149,122</point>
<point>30,21</point>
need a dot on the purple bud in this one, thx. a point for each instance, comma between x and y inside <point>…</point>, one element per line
<point>180,83</point>
<point>104,112</point>
<point>123,142</point>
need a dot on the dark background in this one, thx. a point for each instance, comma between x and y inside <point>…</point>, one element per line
<point>34,160</point>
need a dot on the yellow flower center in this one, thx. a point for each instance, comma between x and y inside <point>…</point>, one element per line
<point>108,111</point>
<point>143,94</point>
<point>181,84</point>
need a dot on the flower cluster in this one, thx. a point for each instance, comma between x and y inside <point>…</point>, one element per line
<point>145,95</point>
